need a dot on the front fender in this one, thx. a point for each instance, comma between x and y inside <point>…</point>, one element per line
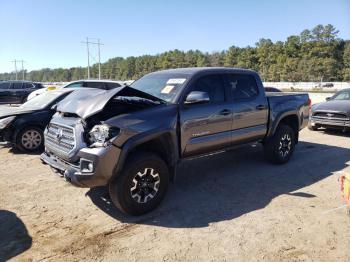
<point>148,136</point>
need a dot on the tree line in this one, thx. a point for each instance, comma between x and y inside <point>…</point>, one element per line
<point>313,55</point>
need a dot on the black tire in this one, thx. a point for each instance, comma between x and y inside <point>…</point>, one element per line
<point>279,148</point>
<point>36,144</point>
<point>133,201</point>
<point>312,128</point>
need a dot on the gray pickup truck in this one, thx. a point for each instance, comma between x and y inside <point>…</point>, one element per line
<point>132,138</point>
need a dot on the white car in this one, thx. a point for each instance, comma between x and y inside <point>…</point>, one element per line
<point>101,84</point>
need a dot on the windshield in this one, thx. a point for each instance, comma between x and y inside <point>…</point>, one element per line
<point>161,85</point>
<point>42,101</point>
<point>342,95</point>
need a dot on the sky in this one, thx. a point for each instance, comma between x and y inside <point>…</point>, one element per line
<point>48,33</point>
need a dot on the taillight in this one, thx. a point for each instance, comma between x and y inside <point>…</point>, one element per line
<point>309,102</point>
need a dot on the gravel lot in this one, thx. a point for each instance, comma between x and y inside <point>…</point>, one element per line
<point>229,207</point>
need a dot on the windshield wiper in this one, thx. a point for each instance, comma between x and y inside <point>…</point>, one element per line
<point>133,99</point>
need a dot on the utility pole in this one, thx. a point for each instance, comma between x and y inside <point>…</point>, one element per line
<point>16,72</point>
<point>99,58</point>
<point>22,70</point>
<point>15,61</point>
<point>88,42</point>
<point>88,54</point>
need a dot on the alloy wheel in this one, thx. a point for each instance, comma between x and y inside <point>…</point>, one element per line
<point>145,185</point>
<point>31,139</point>
<point>285,145</point>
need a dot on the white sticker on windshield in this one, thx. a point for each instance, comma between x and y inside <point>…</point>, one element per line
<point>167,89</point>
<point>176,81</point>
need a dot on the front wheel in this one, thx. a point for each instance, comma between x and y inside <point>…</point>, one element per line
<point>30,139</point>
<point>141,185</point>
<point>279,148</point>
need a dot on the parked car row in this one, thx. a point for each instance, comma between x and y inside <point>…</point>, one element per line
<point>131,138</point>
<point>16,92</point>
<point>100,84</point>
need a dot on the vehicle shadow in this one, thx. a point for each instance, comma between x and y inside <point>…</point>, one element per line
<point>15,151</point>
<point>18,152</point>
<point>14,237</point>
<point>336,132</point>
<point>229,185</point>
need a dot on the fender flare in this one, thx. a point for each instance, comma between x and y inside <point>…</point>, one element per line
<point>142,138</point>
<point>276,121</point>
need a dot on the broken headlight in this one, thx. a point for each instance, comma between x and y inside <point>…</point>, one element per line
<point>100,134</point>
<point>6,121</point>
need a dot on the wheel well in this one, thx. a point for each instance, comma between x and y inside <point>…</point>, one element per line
<point>163,147</point>
<point>293,122</point>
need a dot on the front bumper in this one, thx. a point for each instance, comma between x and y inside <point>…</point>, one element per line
<point>5,135</point>
<point>95,166</point>
<point>329,122</point>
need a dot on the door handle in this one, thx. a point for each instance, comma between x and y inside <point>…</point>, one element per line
<point>260,107</point>
<point>225,112</point>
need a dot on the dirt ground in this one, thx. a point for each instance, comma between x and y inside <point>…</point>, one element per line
<point>229,207</point>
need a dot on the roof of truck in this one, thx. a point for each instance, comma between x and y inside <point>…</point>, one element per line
<point>194,70</point>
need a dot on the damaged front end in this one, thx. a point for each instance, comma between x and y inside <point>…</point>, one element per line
<point>78,140</point>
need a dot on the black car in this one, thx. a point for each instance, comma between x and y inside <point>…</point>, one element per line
<point>334,113</point>
<point>23,126</point>
<point>16,92</point>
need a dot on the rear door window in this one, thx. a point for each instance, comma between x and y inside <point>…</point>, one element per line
<point>243,87</point>
<point>17,85</point>
<point>28,85</point>
<point>5,85</point>
<point>99,85</point>
<point>112,85</point>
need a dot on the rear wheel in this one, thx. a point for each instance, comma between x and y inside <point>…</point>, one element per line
<point>279,148</point>
<point>142,184</point>
<point>30,139</point>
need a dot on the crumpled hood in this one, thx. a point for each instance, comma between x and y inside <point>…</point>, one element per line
<point>6,111</point>
<point>334,105</point>
<point>87,102</point>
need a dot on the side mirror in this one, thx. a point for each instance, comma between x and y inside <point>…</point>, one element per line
<point>328,98</point>
<point>54,107</point>
<point>197,97</point>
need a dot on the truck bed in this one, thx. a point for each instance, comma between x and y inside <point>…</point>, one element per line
<point>273,94</point>
<point>280,102</point>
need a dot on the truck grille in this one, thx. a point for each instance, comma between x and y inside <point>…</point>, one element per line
<point>60,138</point>
<point>330,115</point>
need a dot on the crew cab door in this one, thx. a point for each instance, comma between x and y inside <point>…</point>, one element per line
<point>206,127</point>
<point>249,107</point>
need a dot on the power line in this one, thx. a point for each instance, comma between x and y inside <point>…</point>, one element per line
<point>98,43</point>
